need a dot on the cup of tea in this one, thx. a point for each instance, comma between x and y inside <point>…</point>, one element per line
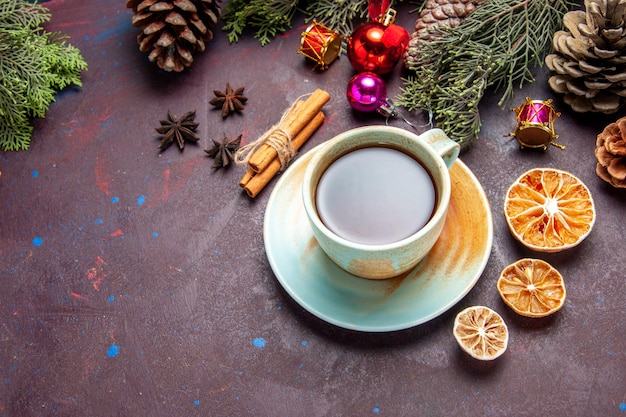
<point>377,197</point>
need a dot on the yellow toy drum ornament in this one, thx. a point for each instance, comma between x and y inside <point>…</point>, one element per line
<point>320,44</point>
<point>535,124</point>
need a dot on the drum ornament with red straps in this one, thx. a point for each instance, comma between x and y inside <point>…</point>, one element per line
<point>320,44</point>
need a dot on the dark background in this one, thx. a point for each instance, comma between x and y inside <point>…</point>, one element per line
<point>135,283</point>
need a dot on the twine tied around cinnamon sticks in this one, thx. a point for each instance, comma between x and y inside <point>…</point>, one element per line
<point>273,151</point>
<point>276,137</point>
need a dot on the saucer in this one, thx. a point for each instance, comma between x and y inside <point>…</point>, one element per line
<point>435,285</point>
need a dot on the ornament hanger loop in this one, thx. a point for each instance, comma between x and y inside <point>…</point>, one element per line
<point>388,18</point>
<point>389,110</point>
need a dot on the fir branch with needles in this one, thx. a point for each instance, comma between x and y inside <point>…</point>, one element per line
<point>338,15</point>
<point>497,46</point>
<point>34,65</point>
<point>269,18</point>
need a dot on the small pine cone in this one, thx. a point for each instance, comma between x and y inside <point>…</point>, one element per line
<point>588,62</point>
<point>436,13</point>
<point>611,154</point>
<point>174,30</point>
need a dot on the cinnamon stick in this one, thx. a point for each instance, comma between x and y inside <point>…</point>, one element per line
<point>247,176</point>
<point>292,125</point>
<point>253,182</point>
<point>289,117</point>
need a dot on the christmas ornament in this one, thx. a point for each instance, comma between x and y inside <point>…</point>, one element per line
<point>174,30</point>
<point>611,154</point>
<point>367,93</point>
<point>588,63</point>
<point>535,124</point>
<point>320,44</point>
<point>378,46</point>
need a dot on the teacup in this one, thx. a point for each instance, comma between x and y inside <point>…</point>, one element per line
<point>377,197</point>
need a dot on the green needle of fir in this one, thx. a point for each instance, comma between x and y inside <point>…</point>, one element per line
<point>34,65</point>
<point>498,45</point>
<point>338,15</point>
<point>266,17</point>
<point>269,18</point>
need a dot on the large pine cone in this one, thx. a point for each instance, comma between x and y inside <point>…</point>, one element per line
<point>436,13</point>
<point>611,154</point>
<point>588,63</point>
<point>174,30</point>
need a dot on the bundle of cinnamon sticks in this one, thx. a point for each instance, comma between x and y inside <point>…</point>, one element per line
<point>298,125</point>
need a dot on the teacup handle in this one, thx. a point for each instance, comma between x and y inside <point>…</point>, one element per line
<point>443,145</point>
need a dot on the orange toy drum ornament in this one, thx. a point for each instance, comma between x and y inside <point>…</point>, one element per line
<point>535,124</point>
<point>320,44</point>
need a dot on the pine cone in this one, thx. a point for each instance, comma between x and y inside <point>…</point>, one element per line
<point>611,154</point>
<point>174,30</point>
<point>436,13</point>
<point>588,63</point>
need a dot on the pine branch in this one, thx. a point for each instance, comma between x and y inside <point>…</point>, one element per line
<point>34,65</point>
<point>268,18</point>
<point>22,14</point>
<point>338,15</point>
<point>453,95</point>
<point>497,45</point>
<point>15,137</point>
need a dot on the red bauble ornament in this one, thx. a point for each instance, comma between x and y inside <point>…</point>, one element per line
<point>378,46</point>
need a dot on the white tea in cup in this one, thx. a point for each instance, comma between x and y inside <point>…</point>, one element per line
<point>376,197</point>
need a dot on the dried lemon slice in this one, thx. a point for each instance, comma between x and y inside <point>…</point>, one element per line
<point>549,210</point>
<point>481,332</point>
<point>532,288</point>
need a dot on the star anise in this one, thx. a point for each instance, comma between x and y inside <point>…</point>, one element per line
<point>223,152</point>
<point>178,129</point>
<point>229,100</point>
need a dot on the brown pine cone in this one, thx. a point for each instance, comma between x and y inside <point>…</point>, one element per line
<point>174,30</point>
<point>449,13</point>
<point>611,154</point>
<point>436,13</point>
<point>588,61</point>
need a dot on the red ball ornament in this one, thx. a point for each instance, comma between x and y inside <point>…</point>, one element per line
<point>378,46</point>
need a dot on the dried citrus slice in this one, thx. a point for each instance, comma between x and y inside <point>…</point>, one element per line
<point>549,210</point>
<point>481,332</point>
<point>532,288</point>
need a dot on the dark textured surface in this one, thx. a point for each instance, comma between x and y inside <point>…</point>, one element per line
<point>136,284</point>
